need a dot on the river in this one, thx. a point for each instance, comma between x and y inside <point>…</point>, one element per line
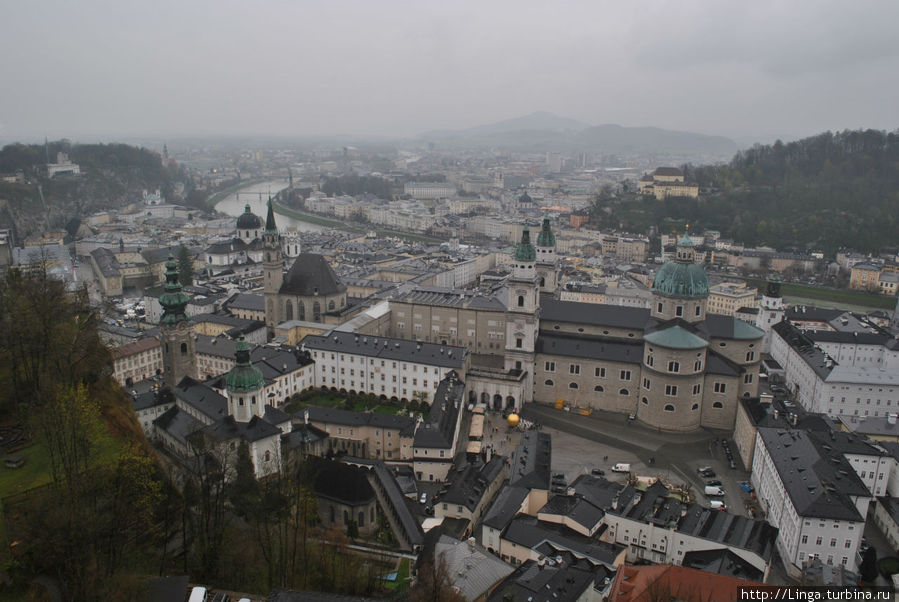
<point>257,197</point>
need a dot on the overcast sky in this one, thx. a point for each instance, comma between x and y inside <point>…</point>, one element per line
<point>157,68</point>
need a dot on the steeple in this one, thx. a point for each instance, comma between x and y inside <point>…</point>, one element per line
<point>525,251</point>
<point>273,269</point>
<point>179,358</point>
<point>173,300</point>
<point>546,238</point>
<point>270,225</point>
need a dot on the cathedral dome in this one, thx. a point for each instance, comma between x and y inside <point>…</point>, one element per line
<point>249,220</point>
<point>244,376</point>
<point>682,277</point>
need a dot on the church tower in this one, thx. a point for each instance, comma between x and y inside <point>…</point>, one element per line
<point>547,266</point>
<point>522,302</point>
<point>245,385</point>
<point>771,311</point>
<point>273,268</point>
<point>179,358</point>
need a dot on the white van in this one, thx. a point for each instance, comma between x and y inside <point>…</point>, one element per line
<point>197,594</point>
<point>621,467</point>
<point>717,505</point>
<point>714,490</point>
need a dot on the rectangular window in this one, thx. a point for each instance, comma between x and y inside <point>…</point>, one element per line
<point>720,387</point>
<point>679,311</point>
<point>600,372</point>
<point>574,368</point>
<point>673,366</point>
<point>697,389</point>
<point>747,379</point>
<point>625,375</point>
<point>646,384</point>
<point>550,366</point>
<point>671,390</point>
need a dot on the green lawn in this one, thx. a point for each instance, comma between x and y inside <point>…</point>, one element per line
<point>833,295</point>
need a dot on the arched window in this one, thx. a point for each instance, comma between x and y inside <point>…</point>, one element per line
<point>669,408</point>
<point>645,401</point>
<point>695,406</point>
<point>346,517</point>
<point>698,310</point>
<point>549,382</point>
<point>301,310</point>
<point>542,282</point>
<point>361,519</point>
<point>717,404</point>
<point>650,361</point>
<point>520,300</point>
<point>317,311</point>
<point>268,456</point>
<point>288,310</point>
<point>331,305</point>
<point>572,385</point>
<point>598,389</point>
<point>183,348</point>
<point>624,392</point>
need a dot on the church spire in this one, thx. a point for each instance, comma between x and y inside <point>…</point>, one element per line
<point>270,218</point>
<point>173,300</point>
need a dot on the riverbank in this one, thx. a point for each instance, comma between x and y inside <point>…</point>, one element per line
<point>330,223</point>
<point>215,199</point>
<point>799,294</point>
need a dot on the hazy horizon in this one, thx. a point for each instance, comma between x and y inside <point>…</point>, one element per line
<point>103,70</point>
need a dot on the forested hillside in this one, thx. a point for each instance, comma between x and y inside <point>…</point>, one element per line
<point>824,192</point>
<point>112,175</point>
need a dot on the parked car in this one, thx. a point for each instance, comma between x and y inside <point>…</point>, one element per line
<point>621,467</point>
<point>423,498</point>
<point>714,483</point>
<point>703,469</point>
<point>559,476</point>
<point>717,505</point>
<point>714,490</point>
<point>709,474</point>
<point>599,472</point>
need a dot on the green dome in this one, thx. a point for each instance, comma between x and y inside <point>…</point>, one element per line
<point>525,251</point>
<point>244,376</point>
<point>677,279</point>
<point>546,238</point>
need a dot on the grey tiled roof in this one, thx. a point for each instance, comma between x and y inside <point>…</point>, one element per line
<point>201,397</point>
<point>505,507</point>
<point>469,483</point>
<point>531,461</point>
<point>405,424</point>
<point>530,533</point>
<point>448,356</point>
<point>438,430</point>
<point>254,430</point>
<point>819,482</point>
<point>470,567</point>
<point>594,314</point>
<point>613,350</point>
<point>311,275</point>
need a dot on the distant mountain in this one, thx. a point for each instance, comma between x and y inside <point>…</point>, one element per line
<point>543,131</point>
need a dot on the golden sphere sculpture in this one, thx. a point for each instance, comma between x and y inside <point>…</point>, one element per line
<point>513,420</point>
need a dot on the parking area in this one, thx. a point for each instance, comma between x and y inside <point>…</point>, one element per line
<point>581,444</point>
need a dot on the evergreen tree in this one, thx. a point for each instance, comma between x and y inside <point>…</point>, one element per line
<point>185,267</point>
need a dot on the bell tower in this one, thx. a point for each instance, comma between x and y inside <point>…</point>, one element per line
<point>547,266</point>
<point>245,385</point>
<point>179,358</point>
<point>273,268</point>
<point>522,302</point>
